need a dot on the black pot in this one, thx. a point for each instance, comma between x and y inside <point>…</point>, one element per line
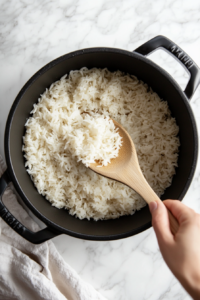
<point>59,221</point>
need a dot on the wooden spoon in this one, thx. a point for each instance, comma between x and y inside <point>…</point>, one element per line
<point>125,168</point>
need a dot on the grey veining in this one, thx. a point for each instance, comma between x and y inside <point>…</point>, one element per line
<point>32,33</point>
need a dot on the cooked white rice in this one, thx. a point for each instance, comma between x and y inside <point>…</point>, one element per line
<point>93,137</point>
<point>51,153</point>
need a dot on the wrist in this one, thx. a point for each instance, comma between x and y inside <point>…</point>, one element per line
<point>192,285</point>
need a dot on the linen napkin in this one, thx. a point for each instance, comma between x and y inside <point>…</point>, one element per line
<point>34,272</point>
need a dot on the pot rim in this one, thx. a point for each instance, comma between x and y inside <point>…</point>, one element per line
<point>26,87</point>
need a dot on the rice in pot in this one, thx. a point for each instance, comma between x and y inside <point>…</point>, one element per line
<point>54,141</point>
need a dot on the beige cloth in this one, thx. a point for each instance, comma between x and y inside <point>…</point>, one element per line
<point>34,272</point>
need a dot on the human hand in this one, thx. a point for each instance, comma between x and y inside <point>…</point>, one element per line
<point>181,251</point>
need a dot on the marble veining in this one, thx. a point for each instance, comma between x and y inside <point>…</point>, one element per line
<point>32,33</point>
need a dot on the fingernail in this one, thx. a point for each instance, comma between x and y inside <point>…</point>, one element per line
<point>153,206</point>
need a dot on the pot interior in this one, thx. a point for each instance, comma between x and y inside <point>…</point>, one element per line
<point>113,59</point>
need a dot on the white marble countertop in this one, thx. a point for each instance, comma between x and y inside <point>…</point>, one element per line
<point>32,33</point>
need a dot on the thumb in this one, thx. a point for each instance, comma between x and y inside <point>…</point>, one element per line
<point>160,221</point>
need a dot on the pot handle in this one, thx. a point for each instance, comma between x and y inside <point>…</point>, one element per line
<point>161,41</point>
<point>33,237</point>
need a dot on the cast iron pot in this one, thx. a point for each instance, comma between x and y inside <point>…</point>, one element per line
<point>59,221</point>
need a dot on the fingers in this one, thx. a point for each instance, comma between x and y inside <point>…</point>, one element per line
<point>160,218</point>
<point>180,211</point>
<point>160,222</point>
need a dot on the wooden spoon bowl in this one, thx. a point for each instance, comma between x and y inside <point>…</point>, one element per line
<point>126,169</point>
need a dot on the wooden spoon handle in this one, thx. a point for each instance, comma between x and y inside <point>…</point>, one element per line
<point>174,225</point>
<point>151,196</point>
<point>141,186</point>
